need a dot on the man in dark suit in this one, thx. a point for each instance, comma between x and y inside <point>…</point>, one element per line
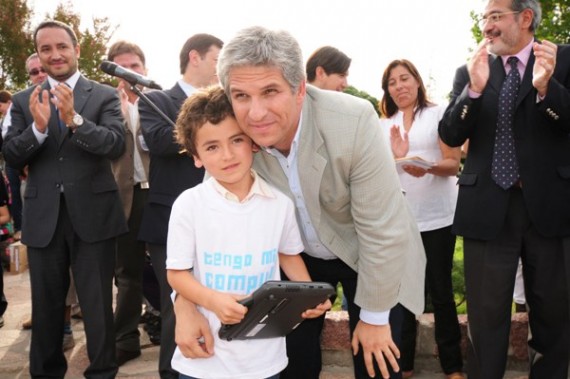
<point>67,130</point>
<point>514,110</point>
<point>171,171</point>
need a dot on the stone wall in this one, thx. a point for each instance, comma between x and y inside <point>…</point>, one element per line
<point>337,351</point>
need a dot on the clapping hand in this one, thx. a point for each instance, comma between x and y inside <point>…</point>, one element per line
<point>478,67</point>
<point>544,64</point>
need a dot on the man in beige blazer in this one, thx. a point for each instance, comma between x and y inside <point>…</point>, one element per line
<point>326,151</point>
<point>131,173</point>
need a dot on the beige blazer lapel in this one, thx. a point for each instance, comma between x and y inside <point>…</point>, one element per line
<point>269,168</point>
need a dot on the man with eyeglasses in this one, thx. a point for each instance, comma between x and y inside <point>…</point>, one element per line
<point>35,70</point>
<point>512,101</point>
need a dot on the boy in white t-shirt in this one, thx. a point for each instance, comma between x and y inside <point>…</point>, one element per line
<point>226,237</point>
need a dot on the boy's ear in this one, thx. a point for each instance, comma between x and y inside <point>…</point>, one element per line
<point>197,162</point>
<point>254,147</point>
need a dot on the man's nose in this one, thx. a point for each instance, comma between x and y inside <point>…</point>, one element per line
<point>257,109</point>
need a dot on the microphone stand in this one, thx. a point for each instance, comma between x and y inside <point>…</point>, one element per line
<point>143,97</point>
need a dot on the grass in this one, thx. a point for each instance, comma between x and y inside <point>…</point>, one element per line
<point>458,278</point>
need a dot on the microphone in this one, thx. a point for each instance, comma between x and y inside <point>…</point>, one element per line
<point>132,77</point>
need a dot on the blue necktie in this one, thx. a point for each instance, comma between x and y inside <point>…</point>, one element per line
<point>62,126</point>
<point>59,122</point>
<point>505,169</point>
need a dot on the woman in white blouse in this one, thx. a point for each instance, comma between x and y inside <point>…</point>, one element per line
<point>410,125</point>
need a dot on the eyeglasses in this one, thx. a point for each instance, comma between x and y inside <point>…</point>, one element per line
<point>493,18</point>
<point>36,71</point>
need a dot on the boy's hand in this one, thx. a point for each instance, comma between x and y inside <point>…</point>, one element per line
<point>318,311</point>
<point>192,332</point>
<point>226,307</point>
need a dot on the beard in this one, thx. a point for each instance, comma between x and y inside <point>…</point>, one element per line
<point>503,42</point>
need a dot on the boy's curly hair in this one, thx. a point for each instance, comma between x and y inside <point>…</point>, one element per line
<point>206,105</point>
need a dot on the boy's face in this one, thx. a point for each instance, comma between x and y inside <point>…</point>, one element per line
<point>226,152</point>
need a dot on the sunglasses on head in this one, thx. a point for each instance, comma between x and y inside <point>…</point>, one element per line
<point>36,71</point>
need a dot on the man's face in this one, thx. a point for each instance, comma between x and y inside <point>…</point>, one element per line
<point>57,53</point>
<point>36,72</point>
<point>265,106</point>
<point>333,82</point>
<point>207,67</point>
<point>4,108</point>
<point>132,62</point>
<point>505,35</point>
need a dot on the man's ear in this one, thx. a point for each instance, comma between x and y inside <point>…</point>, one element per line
<point>197,162</point>
<point>300,95</point>
<point>194,57</point>
<point>527,16</point>
<point>320,73</point>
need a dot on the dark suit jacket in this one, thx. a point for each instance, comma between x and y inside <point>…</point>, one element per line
<point>542,144</point>
<point>171,172</point>
<point>80,162</point>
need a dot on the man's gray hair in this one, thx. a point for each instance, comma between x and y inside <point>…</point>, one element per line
<point>534,6</point>
<point>257,46</point>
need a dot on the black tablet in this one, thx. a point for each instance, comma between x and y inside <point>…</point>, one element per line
<point>275,308</point>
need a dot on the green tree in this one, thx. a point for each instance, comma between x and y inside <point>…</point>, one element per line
<point>15,43</point>
<point>555,24</point>
<point>553,27</point>
<point>363,95</point>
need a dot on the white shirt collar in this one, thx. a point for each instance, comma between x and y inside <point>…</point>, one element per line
<point>258,187</point>
<point>71,81</point>
<point>187,88</point>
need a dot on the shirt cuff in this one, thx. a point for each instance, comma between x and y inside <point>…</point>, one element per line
<point>375,318</point>
<point>39,135</point>
<point>473,94</point>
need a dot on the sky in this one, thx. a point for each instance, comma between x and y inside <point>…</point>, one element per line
<point>433,34</point>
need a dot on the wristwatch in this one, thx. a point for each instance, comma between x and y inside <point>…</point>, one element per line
<point>77,120</point>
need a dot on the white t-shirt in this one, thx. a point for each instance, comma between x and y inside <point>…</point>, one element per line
<point>432,198</point>
<point>232,247</point>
